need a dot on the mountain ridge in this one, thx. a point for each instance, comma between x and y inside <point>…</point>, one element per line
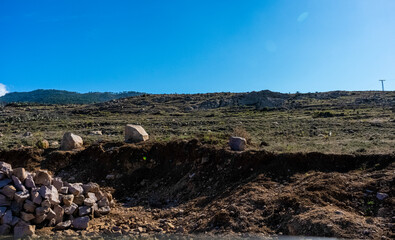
<point>53,96</point>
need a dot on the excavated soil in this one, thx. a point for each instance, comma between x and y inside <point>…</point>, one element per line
<point>188,188</point>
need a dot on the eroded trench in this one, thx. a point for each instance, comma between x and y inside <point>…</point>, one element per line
<point>185,187</point>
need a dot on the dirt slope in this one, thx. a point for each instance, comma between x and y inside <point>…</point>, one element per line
<point>187,187</point>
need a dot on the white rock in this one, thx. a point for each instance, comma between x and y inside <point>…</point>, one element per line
<point>135,133</point>
<point>237,143</point>
<point>71,141</point>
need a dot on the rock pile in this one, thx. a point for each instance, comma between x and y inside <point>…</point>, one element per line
<point>37,199</point>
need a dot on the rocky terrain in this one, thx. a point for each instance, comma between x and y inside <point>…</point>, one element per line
<point>190,188</point>
<point>258,164</point>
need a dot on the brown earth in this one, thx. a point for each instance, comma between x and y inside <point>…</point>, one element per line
<point>185,187</point>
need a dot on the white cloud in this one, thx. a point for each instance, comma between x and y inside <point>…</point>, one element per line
<point>303,16</point>
<point>3,90</point>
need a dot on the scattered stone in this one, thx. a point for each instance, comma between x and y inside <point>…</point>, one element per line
<point>96,133</point>
<point>381,196</point>
<point>63,225</point>
<point>81,223</point>
<point>79,199</point>
<point>42,144</point>
<point>84,210</point>
<point>23,229</point>
<point>103,202</point>
<point>20,173</point>
<point>29,206</point>
<point>58,183</point>
<point>28,134</point>
<point>8,191</point>
<point>64,190</point>
<point>71,141</point>
<point>35,196</point>
<point>43,178</point>
<point>89,202</point>
<point>135,133</point>
<point>6,168</point>
<point>69,210</point>
<point>18,184</point>
<point>91,187</point>
<point>50,193</point>
<point>68,199</point>
<point>237,143</point>
<point>27,216</point>
<point>110,177</point>
<point>75,189</point>
<point>104,210</point>
<point>29,182</point>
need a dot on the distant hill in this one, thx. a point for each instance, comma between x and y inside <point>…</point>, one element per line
<point>63,97</point>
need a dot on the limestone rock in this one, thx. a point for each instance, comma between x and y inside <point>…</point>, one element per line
<point>90,187</point>
<point>237,143</point>
<point>75,189</point>
<point>81,223</point>
<point>135,133</point>
<point>18,184</point>
<point>8,191</point>
<point>4,201</point>
<point>29,206</point>
<point>20,173</point>
<point>63,225</point>
<point>29,182</point>
<point>43,178</point>
<point>58,183</point>
<point>27,216</point>
<point>68,199</point>
<point>50,193</point>
<point>84,210</point>
<point>71,141</point>
<point>6,168</point>
<point>69,210</point>
<point>23,229</point>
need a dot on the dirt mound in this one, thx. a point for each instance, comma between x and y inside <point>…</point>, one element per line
<point>187,187</point>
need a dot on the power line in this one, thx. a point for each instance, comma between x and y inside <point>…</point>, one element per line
<point>382,84</point>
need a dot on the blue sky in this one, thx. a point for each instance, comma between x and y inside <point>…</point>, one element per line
<point>190,46</point>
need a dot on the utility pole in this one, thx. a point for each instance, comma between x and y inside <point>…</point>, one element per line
<point>382,84</point>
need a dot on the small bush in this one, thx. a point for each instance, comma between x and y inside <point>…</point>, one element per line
<point>242,132</point>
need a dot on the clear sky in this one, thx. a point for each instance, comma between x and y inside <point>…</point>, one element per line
<point>189,46</point>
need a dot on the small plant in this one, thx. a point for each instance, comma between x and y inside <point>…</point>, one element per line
<point>242,132</point>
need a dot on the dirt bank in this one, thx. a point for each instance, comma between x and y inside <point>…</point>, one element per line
<point>187,187</point>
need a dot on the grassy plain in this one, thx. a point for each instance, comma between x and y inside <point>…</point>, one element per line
<point>305,124</point>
